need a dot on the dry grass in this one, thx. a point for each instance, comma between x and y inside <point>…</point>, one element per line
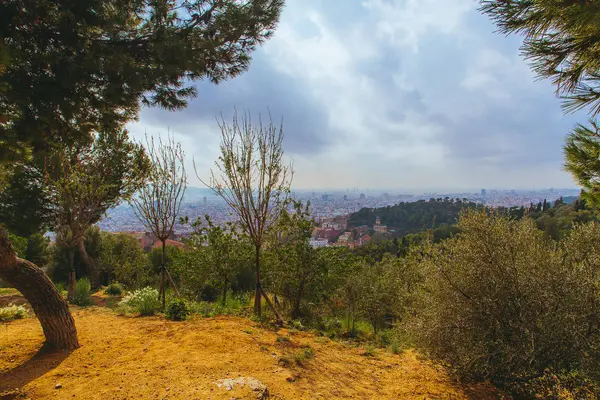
<point>151,358</point>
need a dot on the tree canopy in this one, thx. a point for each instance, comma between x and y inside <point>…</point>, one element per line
<point>71,68</point>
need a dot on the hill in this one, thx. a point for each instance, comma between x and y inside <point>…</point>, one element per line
<point>212,358</point>
<point>413,217</point>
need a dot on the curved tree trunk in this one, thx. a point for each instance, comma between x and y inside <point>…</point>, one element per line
<point>47,303</point>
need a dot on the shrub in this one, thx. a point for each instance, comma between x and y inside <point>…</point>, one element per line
<point>143,301</point>
<point>82,297</point>
<point>12,312</point>
<point>503,303</point>
<point>177,310</point>
<point>114,289</point>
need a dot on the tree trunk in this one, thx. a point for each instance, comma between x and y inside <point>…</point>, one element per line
<point>257,295</point>
<point>162,277</point>
<point>224,294</point>
<point>47,303</point>
<point>279,321</point>
<point>297,300</point>
<point>88,264</point>
<point>71,278</point>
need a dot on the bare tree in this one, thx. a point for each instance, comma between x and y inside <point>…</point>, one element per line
<point>254,181</point>
<point>157,203</point>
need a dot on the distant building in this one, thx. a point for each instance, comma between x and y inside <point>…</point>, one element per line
<point>362,196</point>
<point>318,243</point>
<point>325,197</point>
<point>345,197</point>
<point>204,200</point>
<point>173,243</point>
<point>483,192</point>
<point>378,228</point>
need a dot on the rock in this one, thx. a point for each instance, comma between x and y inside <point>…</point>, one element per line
<point>261,390</point>
<point>58,386</point>
<point>291,378</point>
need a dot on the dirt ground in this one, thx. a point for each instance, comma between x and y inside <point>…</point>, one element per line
<point>151,358</point>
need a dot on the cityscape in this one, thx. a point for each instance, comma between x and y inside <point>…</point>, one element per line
<point>329,210</point>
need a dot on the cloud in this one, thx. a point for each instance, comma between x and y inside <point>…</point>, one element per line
<point>409,93</point>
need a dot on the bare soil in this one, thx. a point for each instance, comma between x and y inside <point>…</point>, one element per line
<point>210,358</point>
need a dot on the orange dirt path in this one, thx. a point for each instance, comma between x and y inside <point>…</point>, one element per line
<point>152,358</point>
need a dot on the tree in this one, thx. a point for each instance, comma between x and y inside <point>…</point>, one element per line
<point>158,202</point>
<point>582,159</point>
<point>561,40</point>
<point>47,303</point>
<point>122,259</point>
<point>24,201</point>
<point>85,181</point>
<point>296,270</point>
<point>224,251</point>
<point>254,182</point>
<point>71,69</point>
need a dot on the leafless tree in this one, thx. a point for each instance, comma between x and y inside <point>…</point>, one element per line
<point>157,203</point>
<point>254,181</point>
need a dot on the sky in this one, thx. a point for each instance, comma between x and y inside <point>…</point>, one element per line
<point>400,94</point>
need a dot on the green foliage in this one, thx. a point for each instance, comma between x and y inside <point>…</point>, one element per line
<point>25,208</point>
<point>304,354</point>
<point>19,244</point>
<point>114,289</point>
<point>293,269</point>
<point>561,41</point>
<point>501,302</point>
<point>108,61</point>
<point>216,256</point>
<point>582,160</point>
<point>413,217</point>
<point>12,312</point>
<point>122,259</point>
<point>143,301</point>
<point>82,297</point>
<point>177,310</point>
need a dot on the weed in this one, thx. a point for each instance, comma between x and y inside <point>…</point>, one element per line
<point>305,354</point>
<point>82,297</point>
<point>282,339</point>
<point>369,351</point>
<point>114,289</point>
<point>144,301</point>
<point>177,310</point>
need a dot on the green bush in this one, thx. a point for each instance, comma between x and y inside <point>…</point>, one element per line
<point>12,312</point>
<point>82,297</point>
<point>114,289</point>
<point>143,301</point>
<point>502,303</point>
<point>177,310</point>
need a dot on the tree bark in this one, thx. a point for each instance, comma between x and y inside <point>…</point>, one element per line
<point>224,293</point>
<point>88,264</point>
<point>162,278</point>
<point>47,303</point>
<point>71,278</point>
<point>257,295</point>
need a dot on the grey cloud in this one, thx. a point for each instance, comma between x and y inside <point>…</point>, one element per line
<point>258,91</point>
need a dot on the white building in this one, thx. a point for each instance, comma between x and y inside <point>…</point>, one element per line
<point>316,243</point>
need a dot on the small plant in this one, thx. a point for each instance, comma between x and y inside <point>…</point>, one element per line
<point>12,312</point>
<point>369,351</point>
<point>297,324</point>
<point>144,301</point>
<point>177,310</point>
<point>282,339</point>
<point>82,297</point>
<point>303,355</point>
<point>395,347</point>
<point>114,289</point>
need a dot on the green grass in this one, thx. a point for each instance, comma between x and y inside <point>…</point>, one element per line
<point>9,292</point>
